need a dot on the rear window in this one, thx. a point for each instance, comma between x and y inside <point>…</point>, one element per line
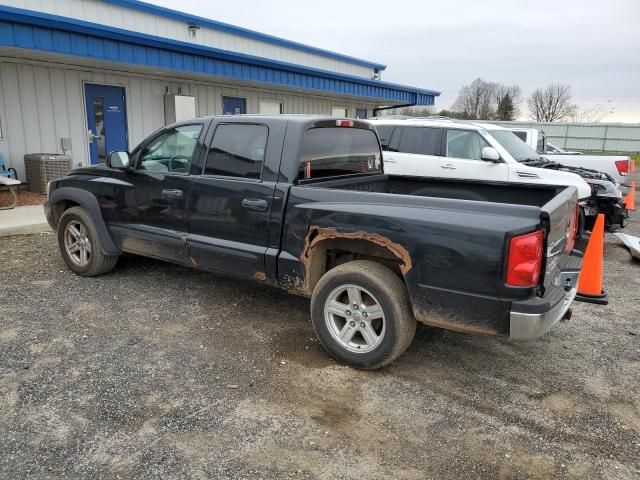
<point>521,135</point>
<point>420,140</point>
<point>385,132</point>
<point>332,151</point>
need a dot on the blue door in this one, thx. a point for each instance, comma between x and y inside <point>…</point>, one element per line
<point>234,105</point>
<point>106,121</point>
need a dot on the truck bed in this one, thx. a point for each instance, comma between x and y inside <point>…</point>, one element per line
<point>494,192</point>
<point>450,236</point>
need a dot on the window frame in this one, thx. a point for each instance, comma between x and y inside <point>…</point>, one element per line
<point>194,160</point>
<point>444,143</point>
<point>208,147</point>
<point>273,102</point>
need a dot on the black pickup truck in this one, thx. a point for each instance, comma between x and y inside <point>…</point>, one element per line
<point>302,203</point>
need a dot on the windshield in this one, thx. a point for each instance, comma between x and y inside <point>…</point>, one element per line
<point>519,150</point>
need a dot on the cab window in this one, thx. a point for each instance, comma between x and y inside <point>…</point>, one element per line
<point>465,144</point>
<point>237,150</point>
<point>172,151</point>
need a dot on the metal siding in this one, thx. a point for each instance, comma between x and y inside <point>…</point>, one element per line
<point>49,39</point>
<point>42,103</point>
<point>123,17</point>
<point>612,137</point>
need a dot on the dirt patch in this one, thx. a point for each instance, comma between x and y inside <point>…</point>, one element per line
<point>24,198</point>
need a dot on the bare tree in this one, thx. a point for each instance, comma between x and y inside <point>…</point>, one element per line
<point>480,99</point>
<point>588,115</point>
<point>477,100</point>
<point>551,104</point>
<point>414,111</point>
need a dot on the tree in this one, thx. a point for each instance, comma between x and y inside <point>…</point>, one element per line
<point>506,109</point>
<point>512,96</point>
<point>551,104</point>
<point>588,115</point>
<point>414,111</point>
<point>476,100</point>
<point>480,100</point>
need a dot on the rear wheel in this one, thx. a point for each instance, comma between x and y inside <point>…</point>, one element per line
<point>80,244</point>
<point>361,314</point>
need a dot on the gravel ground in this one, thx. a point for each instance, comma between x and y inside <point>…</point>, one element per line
<point>159,371</point>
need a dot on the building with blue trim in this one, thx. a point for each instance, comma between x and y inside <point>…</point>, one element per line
<point>65,68</point>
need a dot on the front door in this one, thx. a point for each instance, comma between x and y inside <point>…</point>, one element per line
<point>106,121</point>
<point>234,105</point>
<point>463,158</point>
<point>146,206</point>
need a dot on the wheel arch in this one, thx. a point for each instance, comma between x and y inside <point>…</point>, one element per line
<point>326,248</point>
<point>64,198</point>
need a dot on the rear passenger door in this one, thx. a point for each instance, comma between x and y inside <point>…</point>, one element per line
<point>463,158</point>
<point>413,151</point>
<point>231,199</point>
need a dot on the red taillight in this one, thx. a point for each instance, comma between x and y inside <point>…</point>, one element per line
<point>622,166</point>
<point>344,123</point>
<point>573,228</point>
<point>525,259</point>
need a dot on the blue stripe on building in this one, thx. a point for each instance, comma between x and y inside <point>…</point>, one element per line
<point>61,35</point>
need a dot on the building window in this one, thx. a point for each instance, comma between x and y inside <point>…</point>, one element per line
<point>270,107</point>
<point>361,113</point>
<point>338,112</point>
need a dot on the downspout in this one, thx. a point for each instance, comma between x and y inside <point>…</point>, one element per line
<point>401,105</point>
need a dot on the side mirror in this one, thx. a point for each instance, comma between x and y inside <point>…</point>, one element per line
<point>118,160</point>
<point>490,154</point>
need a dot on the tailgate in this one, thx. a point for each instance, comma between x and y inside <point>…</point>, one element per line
<point>559,218</point>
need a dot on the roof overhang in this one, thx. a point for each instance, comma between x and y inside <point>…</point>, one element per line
<point>27,29</point>
<point>159,11</point>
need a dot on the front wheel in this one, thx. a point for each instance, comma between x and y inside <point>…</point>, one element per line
<point>80,244</point>
<point>361,314</point>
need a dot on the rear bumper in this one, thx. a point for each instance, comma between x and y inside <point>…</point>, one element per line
<point>534,318</point>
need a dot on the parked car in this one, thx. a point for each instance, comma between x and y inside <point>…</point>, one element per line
<point>616,167</point>
<point>552,148</point>
<point>313,212</point>
<point>444,148</point>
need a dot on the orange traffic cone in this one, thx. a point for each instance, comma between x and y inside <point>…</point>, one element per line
<point>630,199</point>
<point>633,166</point>
<point>590,280</point>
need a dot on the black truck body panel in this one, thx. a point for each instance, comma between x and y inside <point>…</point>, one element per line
<point>448,239</point>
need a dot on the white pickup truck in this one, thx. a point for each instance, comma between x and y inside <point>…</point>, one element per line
<point>616,166</point>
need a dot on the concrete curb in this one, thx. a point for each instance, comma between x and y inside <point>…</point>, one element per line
<point>23,221</point>
<point>24,229</point>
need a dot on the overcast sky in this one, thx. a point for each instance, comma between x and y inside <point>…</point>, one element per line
<point>592,45</point>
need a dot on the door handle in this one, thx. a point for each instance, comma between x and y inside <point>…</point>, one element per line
<point>388,160</point>
<point>448,166</point>
<point>255,204</point>
<point>170,193</point>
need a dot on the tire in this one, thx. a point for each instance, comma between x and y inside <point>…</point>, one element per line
<point>95,262</point>
<point>380,340</point>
